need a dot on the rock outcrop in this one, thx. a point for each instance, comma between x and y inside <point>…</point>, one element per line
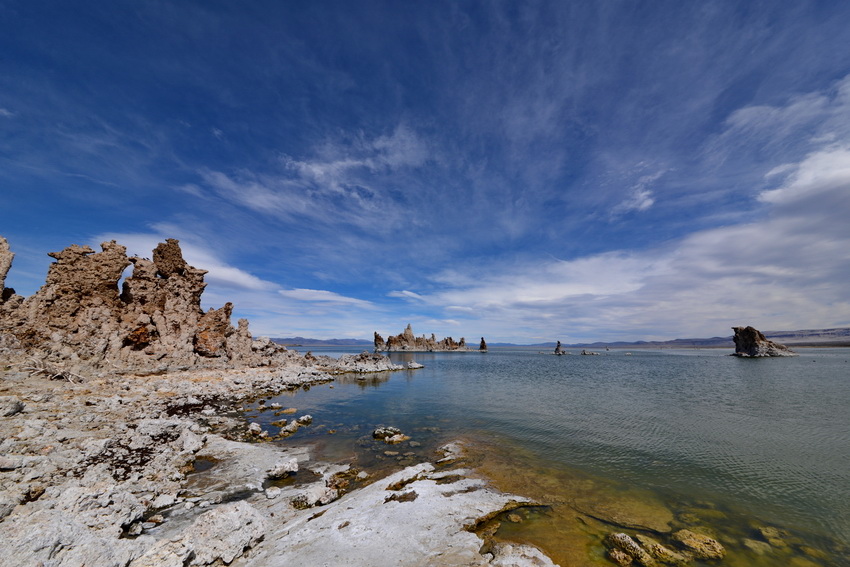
<point>407,341</point>
<point>751,343</point>
<point>6,258</point>
<point>80,319</point>
<point>483,346</point>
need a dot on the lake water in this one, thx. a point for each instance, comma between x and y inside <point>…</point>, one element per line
<point>731,445</point>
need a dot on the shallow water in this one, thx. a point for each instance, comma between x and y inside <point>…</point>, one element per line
<point>722,443</point>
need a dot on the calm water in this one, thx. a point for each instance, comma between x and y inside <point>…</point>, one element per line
<point>753,442</point>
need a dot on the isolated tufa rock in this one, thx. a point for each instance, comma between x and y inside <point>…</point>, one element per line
<point>751,343</point>
<point>483,346</point>
<point>407,341</point>
<point>79,318</point>
<point>379,342</point>
<point>6,258</point>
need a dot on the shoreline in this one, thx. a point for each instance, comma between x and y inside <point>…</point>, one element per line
<point>158,470</point>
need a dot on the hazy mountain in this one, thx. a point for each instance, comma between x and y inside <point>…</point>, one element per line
<point>303,341</point>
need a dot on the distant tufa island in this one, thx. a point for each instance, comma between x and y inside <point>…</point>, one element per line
<point>833,337</point>
<point>407,341</point>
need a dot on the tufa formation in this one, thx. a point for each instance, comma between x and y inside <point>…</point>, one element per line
<point>406,341</point>
<point>155,323</point>
<point>751,343</point>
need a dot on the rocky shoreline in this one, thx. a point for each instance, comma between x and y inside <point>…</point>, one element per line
<point>123,443</point>
<point>102,472</point>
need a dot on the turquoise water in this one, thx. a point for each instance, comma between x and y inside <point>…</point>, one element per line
<point>764,439</point>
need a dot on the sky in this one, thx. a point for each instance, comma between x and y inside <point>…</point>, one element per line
<point>522,171</point>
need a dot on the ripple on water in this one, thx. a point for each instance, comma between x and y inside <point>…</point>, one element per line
<point>729,443</point>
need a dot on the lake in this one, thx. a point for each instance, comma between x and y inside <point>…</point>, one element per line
<point>742,447</point>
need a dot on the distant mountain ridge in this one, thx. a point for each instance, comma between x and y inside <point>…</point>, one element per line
<point>303,341</point>
<point>839,336</point>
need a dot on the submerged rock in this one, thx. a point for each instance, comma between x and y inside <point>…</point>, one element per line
<point>661,553</point>
<point>751,343</point>
<point>631,548</point>
<point>702,546</point>
<point>641,511</point>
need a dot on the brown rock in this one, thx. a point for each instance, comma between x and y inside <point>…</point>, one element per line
<point>409,342</point>
<point>6,258</point>
<point>213,329</point>
<point>751,343</point>
<point>631,548</point>
<point>78,318</point>
<point>169,259</point>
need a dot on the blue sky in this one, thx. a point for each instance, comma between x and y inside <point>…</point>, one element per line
<point>523,171</point>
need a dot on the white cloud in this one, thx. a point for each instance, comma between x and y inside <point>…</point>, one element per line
<point>786,270</point>
<point>345,182</point>
<point>341,163</point>
<point>6,113</point>
<point>405,294</point>
<point>819,172</point>
<point>320,295</point>
<point>641,197</point>
<point>639,200</point>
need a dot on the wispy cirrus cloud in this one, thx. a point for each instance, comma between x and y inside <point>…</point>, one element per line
<point>322,296</point>
<point>343,182</point>
<point>405,294</point>
<point>786,268</point>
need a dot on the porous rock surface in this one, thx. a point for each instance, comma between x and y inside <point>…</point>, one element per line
<point>83,466</point>
<point>80,319</point>
<point>407,341</point>
<point>751,343</point>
